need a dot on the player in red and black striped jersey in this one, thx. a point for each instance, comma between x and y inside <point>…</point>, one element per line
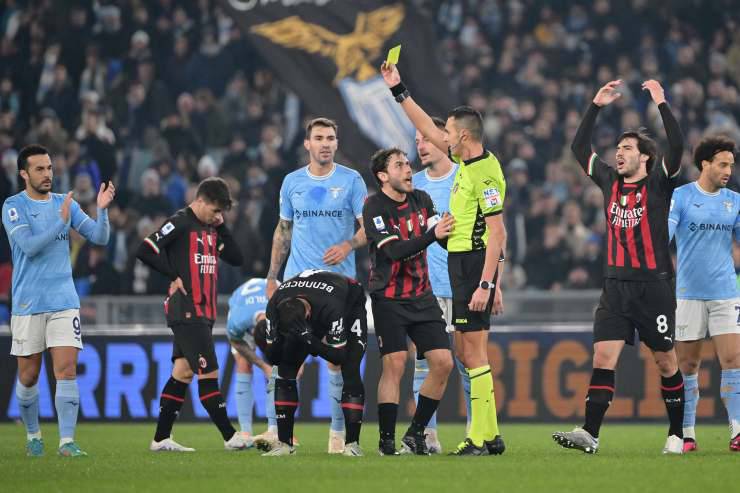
<point>320,313</point>
<point>186,249</point>
<point>639,290</point>
<point>400,223</point>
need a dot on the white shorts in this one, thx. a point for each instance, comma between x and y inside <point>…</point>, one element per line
<point>33,334</point>
<point>694,318</point>
<point>446,305</point>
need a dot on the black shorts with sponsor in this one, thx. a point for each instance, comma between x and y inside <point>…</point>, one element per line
<point>465,271</point>
<point>648,306</point>
<point>420,320</point>
<point>194,342</point>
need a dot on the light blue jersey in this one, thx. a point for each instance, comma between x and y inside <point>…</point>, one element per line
<point>323,210</point>
<point>39,241</point>
<point>704,224</point>
<point>439,189</point>
<point>246,304</point>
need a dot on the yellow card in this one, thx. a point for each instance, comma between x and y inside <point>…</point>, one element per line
<point>393,55</point>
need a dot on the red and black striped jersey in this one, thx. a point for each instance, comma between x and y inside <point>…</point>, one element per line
<point>398,234</point>
<point>330,295</point>
<point>637,241</point>
<point>186,248</point>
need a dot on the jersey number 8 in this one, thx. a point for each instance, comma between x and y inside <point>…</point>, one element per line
<point>662,322</point>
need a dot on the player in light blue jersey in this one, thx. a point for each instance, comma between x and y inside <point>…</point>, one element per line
<point>705,217</point>
<point>319,205</point>
<point>46,308</point>
<point>247,307</point>
<point>436,179</point>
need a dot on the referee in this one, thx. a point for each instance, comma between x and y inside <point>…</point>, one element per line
<point>475,247</point>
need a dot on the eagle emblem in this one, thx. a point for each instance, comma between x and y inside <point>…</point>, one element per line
<point>352,53</point>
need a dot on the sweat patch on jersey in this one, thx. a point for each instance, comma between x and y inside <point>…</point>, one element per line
<point>492,197</point>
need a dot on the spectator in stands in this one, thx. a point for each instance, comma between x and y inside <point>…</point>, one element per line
<point>150,202</point>
<point>62,98</point>
<point>529,66</point>
<point>49,132</point>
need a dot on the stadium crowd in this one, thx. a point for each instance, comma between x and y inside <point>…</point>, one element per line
<point>158,95</point>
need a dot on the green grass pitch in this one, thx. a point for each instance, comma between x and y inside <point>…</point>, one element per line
<point>630,460</point>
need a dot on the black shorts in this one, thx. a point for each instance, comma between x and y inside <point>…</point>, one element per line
<point>294,353</point>
<point>648,306</point>
<point>194,342</point>
<point>420,320</point>
<point>355,321</point>
<point>465,271</point>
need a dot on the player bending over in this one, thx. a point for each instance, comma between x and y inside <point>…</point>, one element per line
<point>322,314</point>
<point>247,307</point>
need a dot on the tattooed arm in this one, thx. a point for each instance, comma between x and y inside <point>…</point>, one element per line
<point>280,249</point>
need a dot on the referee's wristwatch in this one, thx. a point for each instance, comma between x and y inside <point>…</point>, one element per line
<point>485,285</point>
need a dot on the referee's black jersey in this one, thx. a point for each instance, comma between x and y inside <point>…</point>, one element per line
<point>398,234</point>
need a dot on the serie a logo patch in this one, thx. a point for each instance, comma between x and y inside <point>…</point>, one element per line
<point>167,229</point>
<point>492,197</point>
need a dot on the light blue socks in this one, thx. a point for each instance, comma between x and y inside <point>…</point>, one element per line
<point>67,403</point>
<point>730,392</point>
<point>336,382</point>
<point>244,401</point>
<point>28,404</point>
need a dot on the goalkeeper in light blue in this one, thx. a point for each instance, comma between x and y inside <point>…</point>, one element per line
<point>437,179</point>
<point>247,307</point>
<point>46,309</point>
<point>705,218</point>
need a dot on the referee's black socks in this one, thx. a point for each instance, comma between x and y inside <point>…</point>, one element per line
<point>672,391</point>
<point>598,399</point>
<point>170,402</point>
<point>214,403</point>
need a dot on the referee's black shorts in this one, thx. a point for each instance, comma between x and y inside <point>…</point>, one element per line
<point>465,269</point>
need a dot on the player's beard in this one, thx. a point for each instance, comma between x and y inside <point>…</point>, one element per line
<point>719,182</point>
<point>429,164</point>
<point>629,169</point>
<point>42,187</point>
<point>401,186</point>
<point>324,161</point>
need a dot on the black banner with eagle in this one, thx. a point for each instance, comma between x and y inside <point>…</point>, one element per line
<point>329,53</point>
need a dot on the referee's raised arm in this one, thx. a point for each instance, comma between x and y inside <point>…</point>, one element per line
<point>421,120</point>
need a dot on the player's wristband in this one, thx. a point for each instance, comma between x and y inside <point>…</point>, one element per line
<point>400,92</point>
